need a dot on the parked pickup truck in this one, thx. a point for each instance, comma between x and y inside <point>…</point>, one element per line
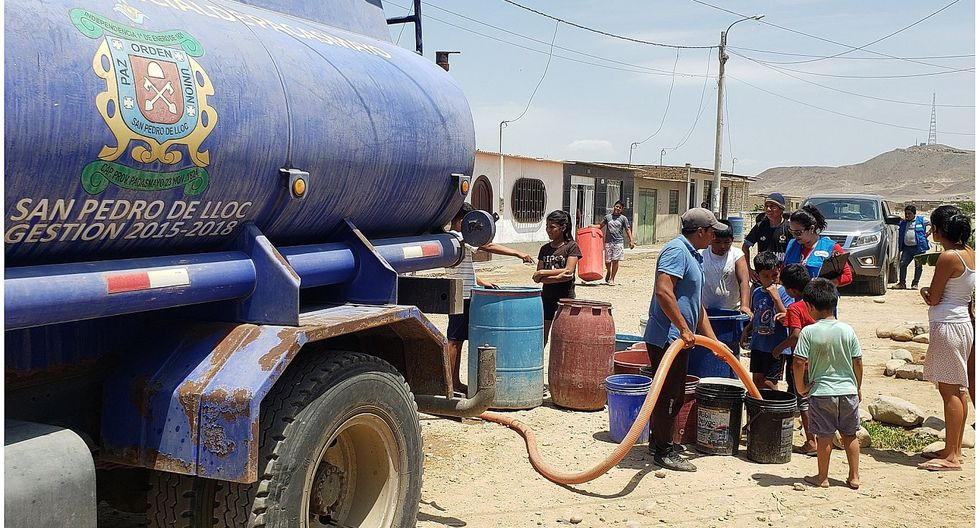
<point>868,232</point>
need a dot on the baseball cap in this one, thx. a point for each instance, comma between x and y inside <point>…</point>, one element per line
<point>777,199</point>
<point>700,217</point>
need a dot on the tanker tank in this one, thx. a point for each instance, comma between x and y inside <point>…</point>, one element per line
<point>158,127</point>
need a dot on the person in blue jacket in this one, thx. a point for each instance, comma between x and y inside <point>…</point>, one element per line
<point>913,239</point>
<point>810,248</point>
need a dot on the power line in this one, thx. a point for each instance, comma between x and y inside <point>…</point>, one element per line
<point>842,76</point>
<point>543,74</point>
<point>780,71</point>
<point>697,117</point>
<point>666,108</point>
<point>788,54</point>
<point>777,26</point>
<point>606,33</point>
<point>632,68</point>
<point>842,114</point>
<point>917,22</point>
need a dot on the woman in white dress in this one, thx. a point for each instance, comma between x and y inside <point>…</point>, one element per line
<point>950,330</point>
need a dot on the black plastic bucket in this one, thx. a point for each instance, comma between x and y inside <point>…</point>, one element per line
<point>771,421</point>
<point>719,418</point>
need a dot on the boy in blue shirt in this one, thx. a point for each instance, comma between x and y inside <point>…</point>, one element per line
<point>768,300</point>
<point>829,351</point>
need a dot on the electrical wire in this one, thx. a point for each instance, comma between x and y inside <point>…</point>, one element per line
<point>543,74</point>
<point>606,33</point>
<point>789,54</point>
<point>781,71</point>
<point>402,30</point>
<point>777,26</point>
<point>892,34</point>
<point>697,117</point>
<point>842,76</point>
<point>631,68</point>
<point>849,116</point>
<point>666,108</point>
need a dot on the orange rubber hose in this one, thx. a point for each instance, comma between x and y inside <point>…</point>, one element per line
<point>642,420</point>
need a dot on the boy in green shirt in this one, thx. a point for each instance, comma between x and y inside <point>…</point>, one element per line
<point>830,352</point>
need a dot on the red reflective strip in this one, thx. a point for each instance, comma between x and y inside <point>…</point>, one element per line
<point>128,282</point>
<point>431,249</point>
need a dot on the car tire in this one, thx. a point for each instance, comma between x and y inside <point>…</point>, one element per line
<point>877,286</point>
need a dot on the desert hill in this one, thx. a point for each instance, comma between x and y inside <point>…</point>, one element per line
<point>924,172</point>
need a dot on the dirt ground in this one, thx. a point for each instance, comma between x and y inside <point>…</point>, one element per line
<point>477,474</point>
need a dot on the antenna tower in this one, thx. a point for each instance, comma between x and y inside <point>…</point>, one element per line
<point>932,123</point>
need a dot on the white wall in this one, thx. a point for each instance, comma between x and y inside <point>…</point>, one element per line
<point>548,171</point>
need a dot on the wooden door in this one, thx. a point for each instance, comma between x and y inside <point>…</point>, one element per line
<point>646,217</point>
<point>481,197</point>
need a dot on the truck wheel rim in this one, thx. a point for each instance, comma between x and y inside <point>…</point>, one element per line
<point>355,480</point>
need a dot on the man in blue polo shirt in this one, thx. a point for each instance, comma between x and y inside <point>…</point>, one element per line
<point>676,312</point>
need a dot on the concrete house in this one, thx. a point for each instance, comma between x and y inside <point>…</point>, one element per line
<point>532,188</point>
<point>591,189</point>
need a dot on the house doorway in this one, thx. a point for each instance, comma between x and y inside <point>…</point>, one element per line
<point>581,200</point>
<point>646,217</point>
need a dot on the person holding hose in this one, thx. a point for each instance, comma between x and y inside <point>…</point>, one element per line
<point>676,312</point>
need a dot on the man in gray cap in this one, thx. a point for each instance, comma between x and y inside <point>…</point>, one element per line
<point>771,233</point>
<point>676,312</point>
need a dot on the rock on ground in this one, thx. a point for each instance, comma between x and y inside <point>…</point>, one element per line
<point>969,437</point>
<point>895,411</point>
<point>894,364</point>
<point>909,371</point>
<point>903,354</point>
<point>922,338</point>
<point>865,415</point>
<point>863,437</point>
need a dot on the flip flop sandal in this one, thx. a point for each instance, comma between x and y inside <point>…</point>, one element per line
<point>853,486</point>
<point>935,466</point>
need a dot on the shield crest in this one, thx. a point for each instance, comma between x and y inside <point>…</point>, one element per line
<point>158,94</point>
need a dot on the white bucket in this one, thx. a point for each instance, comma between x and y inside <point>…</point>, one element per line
<point>643,324</point>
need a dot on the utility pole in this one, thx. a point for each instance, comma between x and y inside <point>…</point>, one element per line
<point>722,58</point>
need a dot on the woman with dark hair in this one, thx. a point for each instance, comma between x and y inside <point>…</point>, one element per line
<point>556,266</point>
<point>951,332</point>
<point>811,249</point>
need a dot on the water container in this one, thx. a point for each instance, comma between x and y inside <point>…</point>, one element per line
<point>631,361</point>
<point>583,340</point>
<point>590,266</point>
<point>625,394</point>
<point>770,424</point>
<point>738,227</point>
<point>728,325</point>
<point>719,417</point>
<point>625,341</point>
<point>686,423</point>
<point>512,320</point>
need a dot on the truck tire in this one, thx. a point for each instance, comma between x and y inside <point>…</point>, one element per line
<point>340,446</point>
<point>179,501</point>
<point>877,286</point>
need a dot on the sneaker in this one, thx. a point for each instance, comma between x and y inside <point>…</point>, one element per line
<point>915,285</point>
<point>901,286</point>
<point>674,462</point>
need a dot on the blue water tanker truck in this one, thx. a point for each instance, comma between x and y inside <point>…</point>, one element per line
<point>212,212</point>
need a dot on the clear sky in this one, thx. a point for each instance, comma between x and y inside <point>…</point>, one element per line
<point>797,92</point>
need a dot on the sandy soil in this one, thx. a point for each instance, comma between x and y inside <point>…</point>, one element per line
<point>477,474</point>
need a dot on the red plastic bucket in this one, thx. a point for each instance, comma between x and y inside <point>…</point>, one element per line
<point>630,361</point>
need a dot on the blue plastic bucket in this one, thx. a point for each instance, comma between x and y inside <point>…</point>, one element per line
<point>738,226</point>
<point>624,395</point>
<point>728,326</point>
<point>624,341</point>
<point>512,320</point>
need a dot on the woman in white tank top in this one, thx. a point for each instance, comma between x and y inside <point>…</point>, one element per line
<point>950,330</point>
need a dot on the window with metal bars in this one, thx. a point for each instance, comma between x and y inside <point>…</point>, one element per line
<point>528,200</point>
<point>673,201</point>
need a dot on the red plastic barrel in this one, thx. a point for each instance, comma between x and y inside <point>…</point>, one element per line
<point>583,340</point>
<point>590,266</point>
<point>630,361</point>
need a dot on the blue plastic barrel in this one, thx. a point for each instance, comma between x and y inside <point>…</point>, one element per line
<point>728,325</point>
<point>624,395</point>
<point>738,226</point>
<point>511,319</point>
<point>624,341</point>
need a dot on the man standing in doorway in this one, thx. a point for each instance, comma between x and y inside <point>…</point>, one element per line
<point>913,234</point>
<point>616,224</point>
<point>771,233</point>
<point>676,312</point>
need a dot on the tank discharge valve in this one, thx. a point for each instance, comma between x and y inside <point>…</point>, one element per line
<point>297,182</point>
